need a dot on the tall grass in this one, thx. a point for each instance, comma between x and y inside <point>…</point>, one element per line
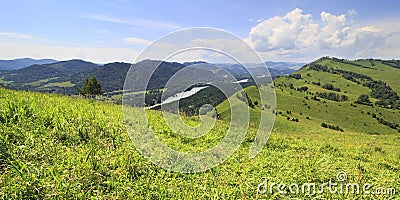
<point>55,147</point>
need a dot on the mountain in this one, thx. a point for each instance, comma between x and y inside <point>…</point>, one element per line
<point>22,63</point>
<point>112,76</point>
<point>274,68</point>
<point>64,77</point>
<point>357,96</point>
<point>35,76</point>
<point>284,65</point>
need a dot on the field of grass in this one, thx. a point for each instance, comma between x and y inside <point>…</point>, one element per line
<point>59,84</point>
<point>40,82</point>
<point>61,147</point>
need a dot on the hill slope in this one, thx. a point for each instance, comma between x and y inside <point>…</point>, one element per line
<point>37,76</point>
<point>323,95</point>
<point>52,146</point>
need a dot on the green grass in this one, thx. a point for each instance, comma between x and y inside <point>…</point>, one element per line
<point>40,82</point>
<point>59,84</point>
<point>349,116</point>
<point>60,147</point>
<point>381,72</point>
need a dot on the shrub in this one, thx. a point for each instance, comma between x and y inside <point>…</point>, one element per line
<point>295,76</point>
<point>328,87</point>
<point>363,99</point>
<point>333,127</point>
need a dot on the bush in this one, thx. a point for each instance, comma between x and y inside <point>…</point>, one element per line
<point>295,76</point>
<point>328,87</point>
<point>333,127</point>
<point>333,96</point>
<point>363,99</point>
<point>302,89</point>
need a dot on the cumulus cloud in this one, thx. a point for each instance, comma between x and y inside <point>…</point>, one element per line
<point>298,34</point>
<point>292,31</point>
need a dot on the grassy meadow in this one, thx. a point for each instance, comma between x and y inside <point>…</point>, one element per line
<point>54,146</point>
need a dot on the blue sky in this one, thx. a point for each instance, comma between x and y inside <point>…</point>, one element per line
<point>117,30</point>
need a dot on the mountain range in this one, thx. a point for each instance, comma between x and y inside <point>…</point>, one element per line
<point>65,76</point>
<point>22,63</point>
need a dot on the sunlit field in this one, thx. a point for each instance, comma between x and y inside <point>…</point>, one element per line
<point>61,147</point>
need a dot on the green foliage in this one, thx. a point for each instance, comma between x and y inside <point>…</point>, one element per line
<point>35,76</point>
<point>91,87</point>
<point>328,86</point>
<point>363,99</point>
<point>387,97</point>
<point>392,63</point>
<point>333,96</point>
<point>295,76</point>
<point>302,89</point>
<point>330,126</point>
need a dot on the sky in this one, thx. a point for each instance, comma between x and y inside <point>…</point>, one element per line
<point>118,30</point>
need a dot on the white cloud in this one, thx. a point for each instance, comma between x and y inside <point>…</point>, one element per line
<point>297,34</point>
<point>136,41</point>
<point>152,24</point>
<point>369,29</point>
<point>15,35</point>
<point>352,12</point>
<point>292,31</point>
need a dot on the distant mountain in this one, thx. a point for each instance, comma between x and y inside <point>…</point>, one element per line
<point>22,63</point>
<point>284,65</point>
<point>275,69</point>
<point>29,78</point>
<point>64,77</point>
<point>112,76</point>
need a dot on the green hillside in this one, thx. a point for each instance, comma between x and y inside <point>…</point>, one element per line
<point>303,107</point>
<point>45,77</point>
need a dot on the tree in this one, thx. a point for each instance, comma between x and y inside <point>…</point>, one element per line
<point>328,86</point>
<point>363,99</point>
<point>91,87</point>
